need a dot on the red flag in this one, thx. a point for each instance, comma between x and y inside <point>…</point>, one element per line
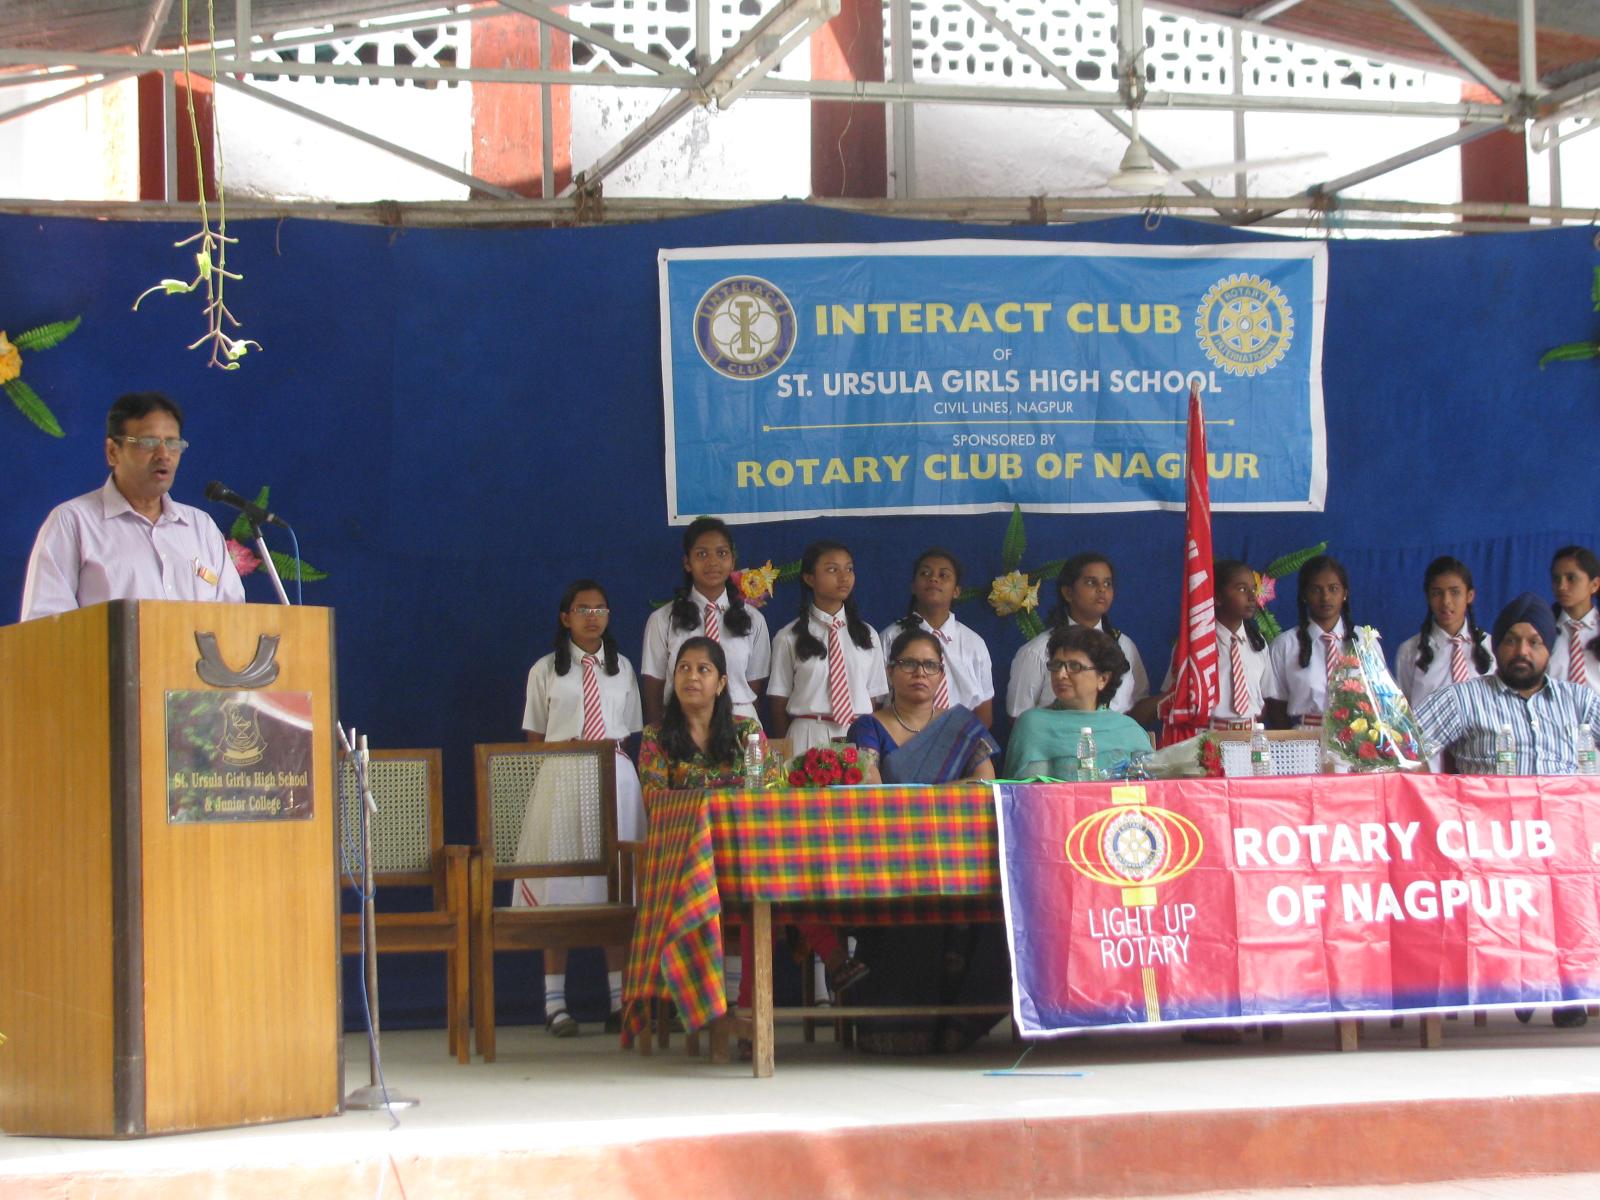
<point>1187,710</point>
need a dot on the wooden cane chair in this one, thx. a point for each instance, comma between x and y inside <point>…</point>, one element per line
<point>408,850</point>
<point>582,842</point>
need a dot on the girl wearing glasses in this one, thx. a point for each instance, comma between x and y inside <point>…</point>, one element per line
<point>917,740</point>
<point>1086,585</point>
<point>1085,666</point>
<point>584,690</point>
<point>706,604</point>
<point>968,672</point>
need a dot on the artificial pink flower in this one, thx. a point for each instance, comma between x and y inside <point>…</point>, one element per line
<point>244,559</point>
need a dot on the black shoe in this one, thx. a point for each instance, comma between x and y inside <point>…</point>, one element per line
<point>560,1024</point>
<point>614,1022</point>
<point>1524,1015</point>
<point>1568,1018</point>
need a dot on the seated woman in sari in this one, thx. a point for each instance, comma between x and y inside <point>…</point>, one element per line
<point>1085,668</point>
<point>919,741</point>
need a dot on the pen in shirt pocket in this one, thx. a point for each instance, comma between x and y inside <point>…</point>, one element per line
<point>205,573</point>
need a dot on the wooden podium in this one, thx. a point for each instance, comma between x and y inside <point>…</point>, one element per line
<point>169,947</point>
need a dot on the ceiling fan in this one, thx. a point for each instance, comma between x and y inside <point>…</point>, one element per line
<point>1139,173</point>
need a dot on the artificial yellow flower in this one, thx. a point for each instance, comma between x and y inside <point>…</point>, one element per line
<point>10,360</point>
<point>1012,593</point>
<point>757,583</point>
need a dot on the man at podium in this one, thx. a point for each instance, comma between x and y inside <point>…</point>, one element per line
<point>129,540</point>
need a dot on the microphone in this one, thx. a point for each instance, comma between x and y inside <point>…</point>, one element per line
<point>225,495</point>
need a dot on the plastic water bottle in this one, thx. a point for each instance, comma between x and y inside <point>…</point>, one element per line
<point>1086,756</point>
<point>754,762</point>
<point>1583,751</point>
<point>1260,750</point>
<point>1505,752</point>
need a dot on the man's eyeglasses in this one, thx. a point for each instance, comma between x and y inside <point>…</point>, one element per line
<point>920,666</point>
<point>1070,666</point>
<point>149,445</point>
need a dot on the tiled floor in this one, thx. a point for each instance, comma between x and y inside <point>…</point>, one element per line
<point>546,1096</point>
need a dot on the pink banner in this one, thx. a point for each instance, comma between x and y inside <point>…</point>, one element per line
<point>1241,899</point>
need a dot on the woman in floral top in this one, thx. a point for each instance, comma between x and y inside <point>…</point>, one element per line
<point>700,743</point>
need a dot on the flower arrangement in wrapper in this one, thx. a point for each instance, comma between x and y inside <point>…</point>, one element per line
<point>755,584</point>
<point>1367,724</point>
<point>1210,757</point>
<point>825,766</point>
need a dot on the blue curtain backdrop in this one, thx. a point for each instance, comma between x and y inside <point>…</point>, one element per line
<point>459,422</point>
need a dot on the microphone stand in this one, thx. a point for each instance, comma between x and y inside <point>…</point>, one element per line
<point>266,561</point>
<point>375,1094</point>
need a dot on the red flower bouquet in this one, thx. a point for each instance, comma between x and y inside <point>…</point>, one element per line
<point>825,766</point>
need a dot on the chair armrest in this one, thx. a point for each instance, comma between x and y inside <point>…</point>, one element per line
<point>629,855</point>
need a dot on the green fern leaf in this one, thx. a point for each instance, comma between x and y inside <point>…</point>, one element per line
<point>1029,623</point>
<point>1594,289</point>
<point>1016,541</point>
<point>972,593</point>
<point>789,570</point>
<point>1289,563</point>
<point>240,531</point>
<point>46,336</point>
<point>1268,624</point>
<point>1049,570</point>
<point>1571,352</point>
<point>286,563</point>
<point>35,409</point>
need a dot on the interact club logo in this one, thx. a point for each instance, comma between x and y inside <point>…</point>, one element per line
<point>1244,324</point>
<point>744,327</point>
<point>1133,847</point>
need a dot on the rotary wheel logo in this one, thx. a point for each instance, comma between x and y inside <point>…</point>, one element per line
<point>1244,325</point>
<point>744,327</point>
<point>1132,845</point>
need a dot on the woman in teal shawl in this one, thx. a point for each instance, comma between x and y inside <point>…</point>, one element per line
<point>1085,668</point>
<point>919,743</point>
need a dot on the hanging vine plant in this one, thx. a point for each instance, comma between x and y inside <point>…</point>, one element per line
<point>211,242</point>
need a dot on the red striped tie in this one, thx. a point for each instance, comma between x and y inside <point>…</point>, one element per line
<point>941,697</point>
<point>1459,671</point>
<point>713,623</point>
<point>1577,671</point>
<point>594,721</point>
<point>1241,685</point>
<point>838,680</point>
<point>1330,654</point>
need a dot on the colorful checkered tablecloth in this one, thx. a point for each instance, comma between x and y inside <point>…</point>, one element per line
<point>843,856</point>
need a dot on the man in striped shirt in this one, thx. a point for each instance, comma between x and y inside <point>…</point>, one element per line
<point>1541,712</point>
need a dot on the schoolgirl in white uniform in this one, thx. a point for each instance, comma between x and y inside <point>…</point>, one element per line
<point>1086,585</point>
<point>582,690</point>
<point>1575,577</point>
<point>1241,649</point>
<point>827,665</point>
<point>1297,686</point>
<point>1450,648</point>
<point>968,671</point>
<point>707,604</point>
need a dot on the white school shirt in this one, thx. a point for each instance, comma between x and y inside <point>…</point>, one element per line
<point>1256,669</point>
<point>1030,676</point>
<point>1559,660</point>
<point>555,702</point>
<point>749,657</point>
<point>967,667</point>
<point>1303,689</point>
<point>1419,686</point>
<point>805,683</point>
<point>96,548</point>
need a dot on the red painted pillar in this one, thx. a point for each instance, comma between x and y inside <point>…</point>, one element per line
<point>507,127</point>
<point>849,141</point>
<point>152,142</point>
<point>1494,168</point>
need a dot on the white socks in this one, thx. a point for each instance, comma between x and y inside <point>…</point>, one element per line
<point>614,982</point>
<point>555,993</point>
